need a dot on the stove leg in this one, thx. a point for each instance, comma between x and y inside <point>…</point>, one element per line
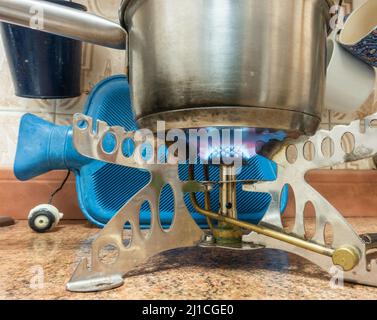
<point>103,274</point>
<point>293,173</point>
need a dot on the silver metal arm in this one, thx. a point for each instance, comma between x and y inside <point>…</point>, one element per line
<point>63,21</point>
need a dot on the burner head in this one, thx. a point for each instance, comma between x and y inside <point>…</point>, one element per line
<point>235,146</point>
<point>229,154</point>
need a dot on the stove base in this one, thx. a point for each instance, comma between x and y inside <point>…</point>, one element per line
<point>184,232</point>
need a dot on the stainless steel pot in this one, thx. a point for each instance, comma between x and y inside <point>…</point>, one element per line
<point>206,63</point>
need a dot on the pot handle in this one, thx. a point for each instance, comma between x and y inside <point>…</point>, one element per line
<point>63,21</point>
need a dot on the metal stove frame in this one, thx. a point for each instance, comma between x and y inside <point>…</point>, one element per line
<point>348,249</point>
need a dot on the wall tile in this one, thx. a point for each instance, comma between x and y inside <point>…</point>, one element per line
<point>325,116</point>
<point>71,106</point>
<point>64,119</point>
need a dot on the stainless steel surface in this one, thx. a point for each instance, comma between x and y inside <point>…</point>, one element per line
<point>64,21</point>
<point>293,173</point>
<point>294,123</point>
<point>183,232</point>
<point>255,57</point>
<point>228,196</point>
<point>125,3</point>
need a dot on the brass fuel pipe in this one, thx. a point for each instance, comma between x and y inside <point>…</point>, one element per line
<point>346,257</point>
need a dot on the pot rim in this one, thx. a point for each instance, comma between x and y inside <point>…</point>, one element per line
<point>70,4</point>
<point>125,3</point>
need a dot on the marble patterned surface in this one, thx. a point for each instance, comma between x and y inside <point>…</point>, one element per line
<point>98,63</point>
<point>37,266</point>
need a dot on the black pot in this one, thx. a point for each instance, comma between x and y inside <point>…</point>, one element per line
<point>43,66</point>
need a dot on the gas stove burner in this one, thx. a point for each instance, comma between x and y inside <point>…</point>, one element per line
<point>235,146</point>
<point>348,252</point>
<point>229,154</point>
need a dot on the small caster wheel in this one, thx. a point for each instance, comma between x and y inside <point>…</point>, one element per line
<point>44,218</point>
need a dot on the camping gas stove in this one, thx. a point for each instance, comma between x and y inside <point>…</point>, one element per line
<point>348,251</point>
<point>220,64</point>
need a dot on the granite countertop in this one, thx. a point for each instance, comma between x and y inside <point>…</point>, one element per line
<point>193,273</point>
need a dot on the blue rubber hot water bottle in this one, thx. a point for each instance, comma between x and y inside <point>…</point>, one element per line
<point>102,188</point>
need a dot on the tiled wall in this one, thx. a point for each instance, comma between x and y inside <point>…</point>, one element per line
<point>97,63</point>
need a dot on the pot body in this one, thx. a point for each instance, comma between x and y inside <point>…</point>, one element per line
<point>221,63</point>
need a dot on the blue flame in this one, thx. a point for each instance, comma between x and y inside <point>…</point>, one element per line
<point>250,146</point>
